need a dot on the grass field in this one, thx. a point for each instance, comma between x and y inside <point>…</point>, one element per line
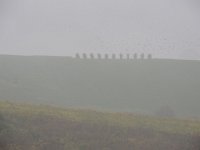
<point>39,127</point>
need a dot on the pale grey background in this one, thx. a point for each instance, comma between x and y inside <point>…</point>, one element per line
<point>166,28</point>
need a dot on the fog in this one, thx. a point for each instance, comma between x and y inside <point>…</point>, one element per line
<point>116,93</point>
<point>165,28</point>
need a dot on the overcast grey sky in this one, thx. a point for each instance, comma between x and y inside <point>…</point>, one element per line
<point>165,28</point>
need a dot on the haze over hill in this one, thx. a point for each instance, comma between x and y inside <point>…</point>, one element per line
<point>113,95</point>
<point>141,86</point>
<point>166,28</point>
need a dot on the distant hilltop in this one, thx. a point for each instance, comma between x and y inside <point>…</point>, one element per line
<point>144,86</point>
<point>113,56</point>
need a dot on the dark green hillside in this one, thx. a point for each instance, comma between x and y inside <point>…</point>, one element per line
<point>142,86</point>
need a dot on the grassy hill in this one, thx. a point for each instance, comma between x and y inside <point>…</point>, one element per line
<point>139,86</point>
<point>40,127</point>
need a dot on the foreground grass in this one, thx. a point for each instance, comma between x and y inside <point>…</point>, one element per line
<point>171,125</point>
<point>46,127</point>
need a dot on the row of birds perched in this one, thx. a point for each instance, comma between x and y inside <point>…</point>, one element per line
<point>113,56</point>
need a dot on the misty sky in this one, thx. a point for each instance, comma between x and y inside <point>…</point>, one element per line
<point>165,28</point>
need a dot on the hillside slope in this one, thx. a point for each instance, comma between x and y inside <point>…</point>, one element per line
<point>49,128</point>
<point>141,86</point>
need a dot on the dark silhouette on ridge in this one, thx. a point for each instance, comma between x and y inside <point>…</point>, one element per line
<point>113,56</point>
<point>142,56</point>
<point>149,56</point>
<point>135,56</point>
<point>77,56</point>
<point>106,56</point>
<point>91,55</point>
<point>128,56</point>
<point>99,56</point>
<point>84,56</point>
<point>120,56</point>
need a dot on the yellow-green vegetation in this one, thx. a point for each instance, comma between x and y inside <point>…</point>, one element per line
<point>172,125</point>
<point>47,127</point>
